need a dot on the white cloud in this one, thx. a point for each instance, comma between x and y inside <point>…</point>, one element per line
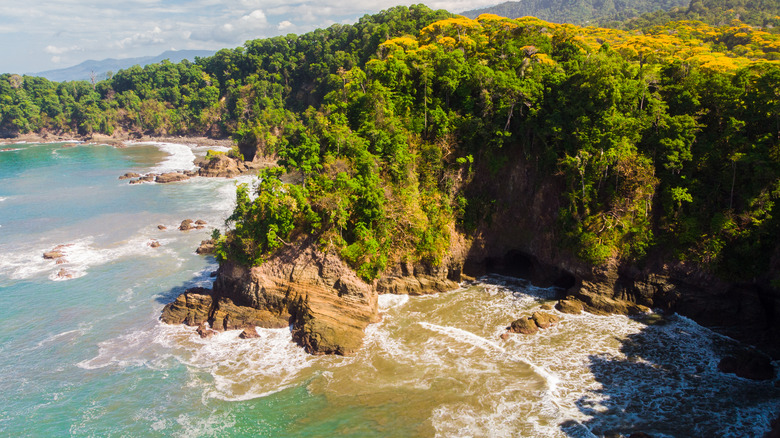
<point>54,50</point>
<point>74,30</point>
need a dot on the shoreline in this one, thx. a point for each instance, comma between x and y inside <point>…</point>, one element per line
<point>115,140</point>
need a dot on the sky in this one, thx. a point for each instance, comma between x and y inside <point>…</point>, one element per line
<point>39,35</point>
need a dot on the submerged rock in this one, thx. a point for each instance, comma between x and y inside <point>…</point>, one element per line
<point>750,364</point>
<point>249,333</point>
<point>154,243</point>
<point>204,331</point>
<point>129,175</point>
<point>51,255</point>
<point>162,227</point>
<point>64,274</point>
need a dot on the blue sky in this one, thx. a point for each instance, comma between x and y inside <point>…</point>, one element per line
<point>38,35</point>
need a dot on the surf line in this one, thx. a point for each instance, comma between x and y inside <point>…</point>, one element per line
<point>478,341</point>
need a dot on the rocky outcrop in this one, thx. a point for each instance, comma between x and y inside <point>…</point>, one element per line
<point>222,165</point>
<point>414,285</point>
<point>130,175</point>
<point>205,247</point>
<point>323,301</point>
<point>199,306</point>
<point>193,307</point>
<point>170,177</point>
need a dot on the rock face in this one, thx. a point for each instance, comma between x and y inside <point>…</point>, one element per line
<point>323,301</point>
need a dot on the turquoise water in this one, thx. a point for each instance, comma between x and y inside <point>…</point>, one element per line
<point>86,356</point>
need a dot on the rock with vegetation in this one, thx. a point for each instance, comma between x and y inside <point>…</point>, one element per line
<point>221,165</point>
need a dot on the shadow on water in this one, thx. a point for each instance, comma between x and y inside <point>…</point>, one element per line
<point>204,280</point>
<point>668,384</point>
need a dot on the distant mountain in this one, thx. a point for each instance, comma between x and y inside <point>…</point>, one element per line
<point>580,12</point>
<point>83,71</point>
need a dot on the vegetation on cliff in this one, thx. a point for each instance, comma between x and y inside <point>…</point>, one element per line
<point>665,140</point>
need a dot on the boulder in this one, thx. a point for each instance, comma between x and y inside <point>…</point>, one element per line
<point>162,227</point>
<point>545,320</point>
<point>220,166</point>
<point>206,247</point>
<point>171,177</point>
<point>249,333</point>
<point>200,222</point>
<point>524,326</point>
<point>186,225</point>
<point>62,273</point>
<point>571,306</point>
<point>154,244</point>
<point>129,175</point>
<point>61,261</point>
<point>750,364</point>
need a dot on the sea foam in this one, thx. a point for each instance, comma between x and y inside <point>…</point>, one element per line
<point>180,157</point>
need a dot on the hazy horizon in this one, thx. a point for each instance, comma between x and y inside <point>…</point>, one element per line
<point>42,35</point>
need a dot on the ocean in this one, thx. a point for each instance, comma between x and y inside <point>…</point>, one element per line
<point>82,352</point>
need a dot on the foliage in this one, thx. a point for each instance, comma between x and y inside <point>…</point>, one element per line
<point>397,130</point>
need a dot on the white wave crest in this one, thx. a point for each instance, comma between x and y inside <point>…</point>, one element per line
<point>180,157</point>
<point>78,257</point>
